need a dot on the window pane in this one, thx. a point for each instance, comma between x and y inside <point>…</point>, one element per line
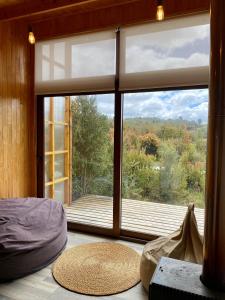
<point>59,137</point>
<point>60,191</point>
<point>47,138</point>
<point>92,159</point>
<point>48,162</point>
<point>47,108</point>
<point>59,166</point>
<point>164,158</point>
<point>48,191</point>
<point>59,109</point>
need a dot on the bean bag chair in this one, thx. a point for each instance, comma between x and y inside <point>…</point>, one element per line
<point>33,232</point>
<point>184,244</point>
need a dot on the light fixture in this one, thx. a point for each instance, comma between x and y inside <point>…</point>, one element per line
<point>31,37</point>
<point>160,10</point>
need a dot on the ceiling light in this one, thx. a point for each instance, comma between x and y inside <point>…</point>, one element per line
<point>160,11</point>
<point>31,37</point>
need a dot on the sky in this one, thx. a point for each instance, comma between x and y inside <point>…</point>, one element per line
<point>191,105</point>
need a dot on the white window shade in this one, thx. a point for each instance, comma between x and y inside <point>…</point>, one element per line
<point>76,64</point>
<point>165,54</point>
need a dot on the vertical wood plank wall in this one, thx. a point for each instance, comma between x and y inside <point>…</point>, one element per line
<point>17,112</point>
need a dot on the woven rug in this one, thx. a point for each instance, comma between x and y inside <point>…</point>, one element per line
<point>98,269</point>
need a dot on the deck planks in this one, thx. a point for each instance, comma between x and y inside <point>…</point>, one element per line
<point>139,216</point>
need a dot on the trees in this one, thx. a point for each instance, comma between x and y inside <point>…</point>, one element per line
<point>92,153</point>
<point>140,178</point>
<point>163,161</point>
<point>168,163</point>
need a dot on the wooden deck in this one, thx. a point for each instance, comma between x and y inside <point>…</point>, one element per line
<point>138,216</point>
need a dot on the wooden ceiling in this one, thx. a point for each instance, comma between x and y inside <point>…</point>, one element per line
<point>39,9</point>
<point>58,18</point>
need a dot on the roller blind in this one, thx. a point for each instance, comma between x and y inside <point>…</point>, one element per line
<point>165,54</point>
<point>155,55</point>
<point>76,64</point>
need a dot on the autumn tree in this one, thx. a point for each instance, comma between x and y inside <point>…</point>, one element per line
<point>150,143</point>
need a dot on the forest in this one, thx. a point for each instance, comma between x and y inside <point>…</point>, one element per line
<point>163,160</point>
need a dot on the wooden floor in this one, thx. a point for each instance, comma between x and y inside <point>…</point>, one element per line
<point>41,285</point>
<point>138,216</point>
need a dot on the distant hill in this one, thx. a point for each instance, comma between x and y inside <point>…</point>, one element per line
<point>143,125</point>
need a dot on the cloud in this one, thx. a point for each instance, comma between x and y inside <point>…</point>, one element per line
<point>180,48</point>
<point>191,105</point>
<point>167,40</point>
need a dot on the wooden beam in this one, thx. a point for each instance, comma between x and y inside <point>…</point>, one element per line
<point>57,123</point>
<point>56,152</point>
<point>52,143</point>
<point>214,238</point>
<point>67,155</point>
<point>40,147</point>
<point>50,183</point>
<point>118,132</point>
<point>70,153</point>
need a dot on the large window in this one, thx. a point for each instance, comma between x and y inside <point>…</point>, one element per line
<point>125,140</point>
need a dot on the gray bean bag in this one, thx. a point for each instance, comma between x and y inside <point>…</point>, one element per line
<point>33,232</point>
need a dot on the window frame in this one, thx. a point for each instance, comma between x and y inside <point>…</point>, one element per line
<point>116,231</point>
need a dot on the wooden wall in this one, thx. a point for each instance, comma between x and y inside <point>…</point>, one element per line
<point>17,140</point>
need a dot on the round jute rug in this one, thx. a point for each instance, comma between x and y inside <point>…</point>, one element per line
<point>98,268</point>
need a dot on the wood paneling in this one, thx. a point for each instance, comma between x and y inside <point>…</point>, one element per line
<point>50,8</point>
<point>111,17</point>
<point>17,121</point>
